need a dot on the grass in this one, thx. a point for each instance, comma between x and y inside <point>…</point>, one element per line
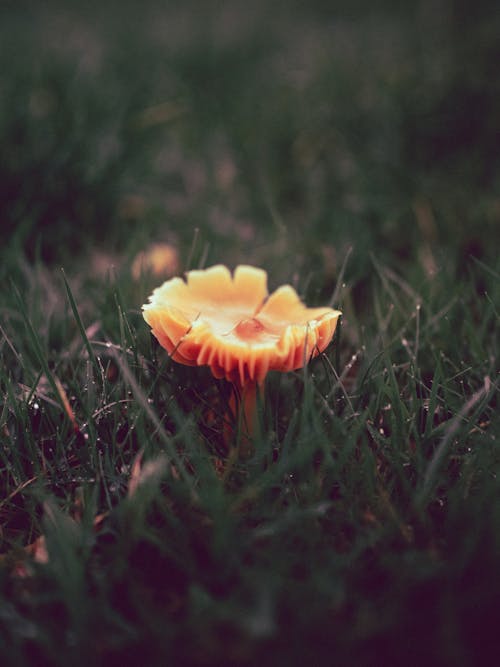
<point>342,153</point>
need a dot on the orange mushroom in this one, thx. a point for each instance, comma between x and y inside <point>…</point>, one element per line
<point>229,323</point>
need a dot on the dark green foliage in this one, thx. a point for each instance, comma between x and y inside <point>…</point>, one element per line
<point>351,151</point>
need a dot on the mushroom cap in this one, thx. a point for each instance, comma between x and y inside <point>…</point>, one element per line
<point>229,322</point>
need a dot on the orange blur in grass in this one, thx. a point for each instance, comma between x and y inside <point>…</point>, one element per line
<point>160,259</point>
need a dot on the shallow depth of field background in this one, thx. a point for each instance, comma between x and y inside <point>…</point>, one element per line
<point>350,149</point>
<point>284,133</point>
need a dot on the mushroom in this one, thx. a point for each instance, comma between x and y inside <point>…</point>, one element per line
<point>229,323</point>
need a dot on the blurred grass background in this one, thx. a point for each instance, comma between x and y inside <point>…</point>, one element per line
<point>351,149</point>
<point>278,130</point>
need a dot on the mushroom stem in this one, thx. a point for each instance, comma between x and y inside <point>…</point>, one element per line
<point>242,406</point>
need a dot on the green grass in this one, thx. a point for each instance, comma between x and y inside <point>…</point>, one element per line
<point>342,152</point>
